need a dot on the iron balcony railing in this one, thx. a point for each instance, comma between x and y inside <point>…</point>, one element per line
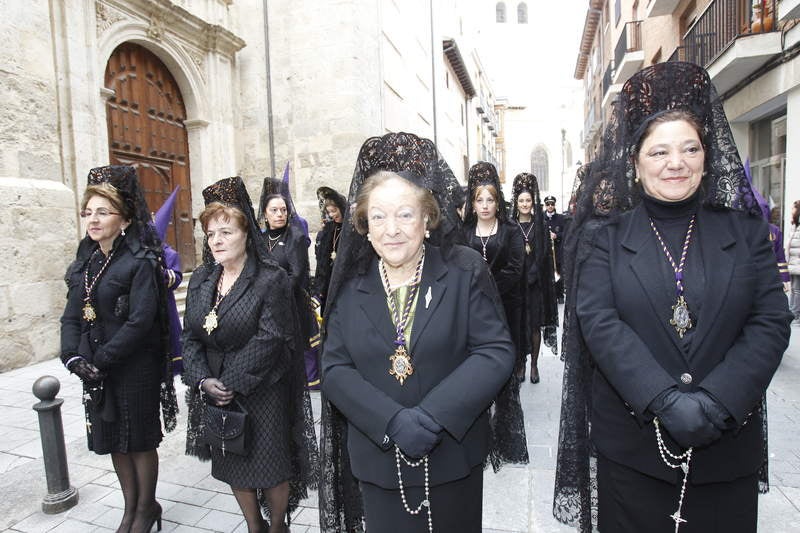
<point>722,23</point>
<point>629,41</point>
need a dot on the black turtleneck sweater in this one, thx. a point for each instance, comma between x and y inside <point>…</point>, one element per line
<point>672,221</point>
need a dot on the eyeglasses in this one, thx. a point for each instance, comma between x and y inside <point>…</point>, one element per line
<point>549,203</point>
<point>101,213</point>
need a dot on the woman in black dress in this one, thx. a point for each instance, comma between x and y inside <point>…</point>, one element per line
<point>333,207</point>
<point>539,309</point>
<point>676,321</point>
<point>114,336</point>
<point>240,351</point>
<point>500,243</point>
<point>413,321</point>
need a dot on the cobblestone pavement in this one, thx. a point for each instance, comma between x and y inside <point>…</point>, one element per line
<point>518,499</point>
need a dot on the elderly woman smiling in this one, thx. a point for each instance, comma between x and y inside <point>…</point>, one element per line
<point>406,336</point>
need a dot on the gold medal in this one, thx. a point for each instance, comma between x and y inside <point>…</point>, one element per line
<point>210,323</point>
<point>400,367</point>
<point>89,314</point>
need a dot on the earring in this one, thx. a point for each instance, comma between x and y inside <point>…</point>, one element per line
<point>427,234</point>
<point>123,232</point>
<point>636,179</point>
<point>368,237</point>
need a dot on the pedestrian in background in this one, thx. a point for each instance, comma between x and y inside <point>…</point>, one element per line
<point>332,207</point>
<point>539,309</point>
<point>680,321</point>
<point>555,223</point>
<point>793,261</point>
<point>114,336</point>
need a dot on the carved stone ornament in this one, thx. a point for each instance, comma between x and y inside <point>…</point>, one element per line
<point>105,17</point>
<point>156,28</point>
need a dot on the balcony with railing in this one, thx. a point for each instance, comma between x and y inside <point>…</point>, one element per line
<point>610,89</point>
<point>628,54</point>
<point>731,39</point>
<point>591,125</point>
<point>656,8</point>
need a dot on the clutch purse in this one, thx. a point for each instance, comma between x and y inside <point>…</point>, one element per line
<point>227,428</point>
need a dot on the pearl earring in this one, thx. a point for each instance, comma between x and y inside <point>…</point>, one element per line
<point>427,234</point>
<point>368,237</point>
<point>123,232</point>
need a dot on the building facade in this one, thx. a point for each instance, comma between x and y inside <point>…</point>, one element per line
<point>191,91</point>
<point>750,49</point>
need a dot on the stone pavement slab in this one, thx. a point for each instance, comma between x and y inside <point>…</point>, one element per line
<point>517,499</point>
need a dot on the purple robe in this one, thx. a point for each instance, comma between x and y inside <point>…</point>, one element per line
<point>173,277</point>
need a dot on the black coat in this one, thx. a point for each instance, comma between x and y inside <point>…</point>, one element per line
<point>290,251</point>
<point>251,352</point>
<point>624,303</point>
<point>556,224</point>
<point>125,341</point>
<point>462,356</point>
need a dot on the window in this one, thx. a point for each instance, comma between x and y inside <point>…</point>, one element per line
<point>500,12</point>
<point>540,166</point>
<point>617,12</point>
<point>522,13</point>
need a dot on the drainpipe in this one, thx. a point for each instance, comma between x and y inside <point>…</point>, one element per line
<point>269,93</point>
<point>433,77</point>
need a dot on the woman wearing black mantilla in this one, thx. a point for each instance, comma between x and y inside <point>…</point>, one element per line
<point>332,207</point>
<point>413,321</point>
<point>539,308</point>
<point>241,353</point>
<point>488,230</point>
<point>676,324</point>
<point>115,337</point>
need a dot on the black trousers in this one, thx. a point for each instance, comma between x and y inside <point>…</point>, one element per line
<point>456,507</point>
<point>629,501</point>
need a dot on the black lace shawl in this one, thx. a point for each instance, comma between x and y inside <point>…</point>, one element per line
<point>124,179</point>
<point>483,173</point>
<point>232,192</point>
<point>603,190</point>
<point>542,254</point>
<point>418,160</point>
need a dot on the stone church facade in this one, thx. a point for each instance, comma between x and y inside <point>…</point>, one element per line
<point>190,91</point>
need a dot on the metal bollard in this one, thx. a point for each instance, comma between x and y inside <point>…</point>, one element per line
<point>60,494</point>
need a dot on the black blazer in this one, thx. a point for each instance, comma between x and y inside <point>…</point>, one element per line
<point>462,356</point>
<point>624,303</point>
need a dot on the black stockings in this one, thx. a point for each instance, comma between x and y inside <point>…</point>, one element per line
<point>278,502</point>
<point>138,474</point>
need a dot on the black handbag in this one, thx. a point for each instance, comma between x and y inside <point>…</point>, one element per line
<point>227,428</point>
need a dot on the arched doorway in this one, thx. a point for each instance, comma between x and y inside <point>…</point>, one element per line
<point>145,129</point>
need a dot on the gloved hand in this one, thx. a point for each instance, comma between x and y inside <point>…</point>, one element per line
<point>682,415</point>
<point>86,371</point>
<point>715,412</point>
<point>414,432</point>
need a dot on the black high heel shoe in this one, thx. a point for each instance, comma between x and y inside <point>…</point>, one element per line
<point>155,519</point>
<point>535,375</point>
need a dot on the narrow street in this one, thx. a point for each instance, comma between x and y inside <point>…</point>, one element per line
<point>518,499</point>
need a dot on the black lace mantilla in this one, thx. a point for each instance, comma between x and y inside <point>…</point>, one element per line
<point>604,189</point>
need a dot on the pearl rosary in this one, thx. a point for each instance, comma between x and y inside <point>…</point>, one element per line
<point>684,460</point>
<point>414,464</point>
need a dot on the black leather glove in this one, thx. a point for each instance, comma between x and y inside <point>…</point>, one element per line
<point>715,412</point>
<point>86,371</point>
<point>682,415</point>
<point>414,432</point>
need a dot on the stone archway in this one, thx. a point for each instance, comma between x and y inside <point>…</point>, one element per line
<point>145,118</point>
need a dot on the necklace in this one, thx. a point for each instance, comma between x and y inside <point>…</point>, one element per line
<point>525,235</point>
<point>484,243</point>
<point>337,232</point>
<point>398,455</point>
<point>89,314</point>
<point>683,463</point>
<point>681,319</point>
<point>211,323</point>
<point>400,361</point>
<point>272,242</point>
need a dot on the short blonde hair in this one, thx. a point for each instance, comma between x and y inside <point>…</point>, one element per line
<point>427,203</point>
<point>227,213</point>
<point>110,193</point>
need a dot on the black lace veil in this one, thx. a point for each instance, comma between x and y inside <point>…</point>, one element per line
<point>603,189</point>
<point>417,160</point>
<point>124,179</point>
<point>543,254</point>
<point>233,193</point>
<point>326,194</point>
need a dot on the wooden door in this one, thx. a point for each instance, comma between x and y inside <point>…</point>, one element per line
<point>146,130</point>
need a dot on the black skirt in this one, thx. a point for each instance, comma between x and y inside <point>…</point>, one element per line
<point>629,501</point>
<point>456,506</point>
